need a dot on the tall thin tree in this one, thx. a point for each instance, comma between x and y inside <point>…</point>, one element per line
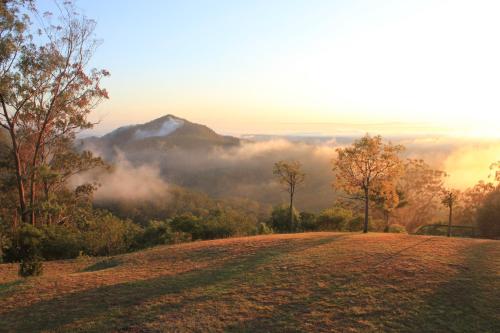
<point>289,174</point>
<point>450,199</point>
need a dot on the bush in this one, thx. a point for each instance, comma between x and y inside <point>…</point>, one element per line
<point>156,233</point>
<point>264,229</point>
<point>334,219</point>
<point>216,225</point>
<point>5,244</point>
<point>280,219</point>
<point>31,267</point>
<point>187,223</point>
<point>397,229</point>
<point>355,224</point>
<point>30,239</point>
<point>61,242</point>
<point>108,235</point>
<point>308,222</point>
<point>488,216</point>
<point>376,225</point>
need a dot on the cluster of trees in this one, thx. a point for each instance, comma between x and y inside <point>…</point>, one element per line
<point>47,91</point>
<point>100,233</point>
<point>337,218</point>
<point>405,194</point>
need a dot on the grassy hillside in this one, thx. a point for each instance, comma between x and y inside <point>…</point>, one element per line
<point>284,283</point>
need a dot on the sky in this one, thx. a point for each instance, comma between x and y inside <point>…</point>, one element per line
<point>302,66</point>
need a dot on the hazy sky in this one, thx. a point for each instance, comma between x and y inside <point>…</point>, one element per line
<point>302,66</point>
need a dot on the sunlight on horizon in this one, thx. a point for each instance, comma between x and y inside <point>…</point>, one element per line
<point>432,62</point>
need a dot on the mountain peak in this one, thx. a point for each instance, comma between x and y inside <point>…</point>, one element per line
<point>160,127</point>
<point>163,133</point>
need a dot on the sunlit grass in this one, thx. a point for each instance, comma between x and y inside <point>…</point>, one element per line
<point>304,282</point>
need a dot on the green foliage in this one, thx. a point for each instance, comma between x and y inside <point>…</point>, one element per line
<point>355,224</point>
<point>108,235</point>
<point>216,225</point>
<point>156,233</point>
<point>160,233</point>
<point>397,229</point>
<point>488,216</point>
<point>334,219</point>
<point>308,221</point>
<point>5,240</point>
<point>189,224</point>
<point>280,219</point>
<point>61,242</point>
<point>30,239</point>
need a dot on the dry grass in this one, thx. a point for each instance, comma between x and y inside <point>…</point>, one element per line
<point>283,283</point>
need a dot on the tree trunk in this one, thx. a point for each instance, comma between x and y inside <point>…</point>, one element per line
<point>19,179</point>
<point>15,151</point>
<point>387,217</point>
<point>365,227</point>
<point>291,212</point>
<point>450,220</point>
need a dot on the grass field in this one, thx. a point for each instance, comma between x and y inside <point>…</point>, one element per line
<point>317,282</point>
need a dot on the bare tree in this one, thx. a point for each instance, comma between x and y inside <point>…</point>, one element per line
<point>290,175</point>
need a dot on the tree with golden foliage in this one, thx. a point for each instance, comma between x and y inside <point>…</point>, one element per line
<point>472,199</point>
<point>421,186</point>
<point>367,165</point>
<point>289,174</point>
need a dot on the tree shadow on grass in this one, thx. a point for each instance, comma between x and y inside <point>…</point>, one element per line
<point>103,264</point>
<point>8,287</point>
<point>468,302</point>
<point>109,308</point>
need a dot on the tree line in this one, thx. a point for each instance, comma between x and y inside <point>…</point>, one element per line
<point>371,175</point>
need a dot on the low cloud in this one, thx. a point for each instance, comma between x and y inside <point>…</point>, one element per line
<point>246,170</point>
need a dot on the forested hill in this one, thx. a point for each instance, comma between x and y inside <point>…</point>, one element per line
<point>159,135</point>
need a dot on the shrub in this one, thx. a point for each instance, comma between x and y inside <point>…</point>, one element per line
<point>157,233</point>
<point>108,235</point>
<point>61,242</point>
<point>30,239</point>
<point>308,221</point>
<point>264,229</point>
<point>376,225</point>
<point>217,227</point>
<point>488,216</point>
<point>397,229</point>
<point>334,219</point>
<point>280,219</point>
<point>355,224</point>
<point>5,244</point>
<point>187,223</point>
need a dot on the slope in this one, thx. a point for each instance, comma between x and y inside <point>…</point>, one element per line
<point>315,282</point>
